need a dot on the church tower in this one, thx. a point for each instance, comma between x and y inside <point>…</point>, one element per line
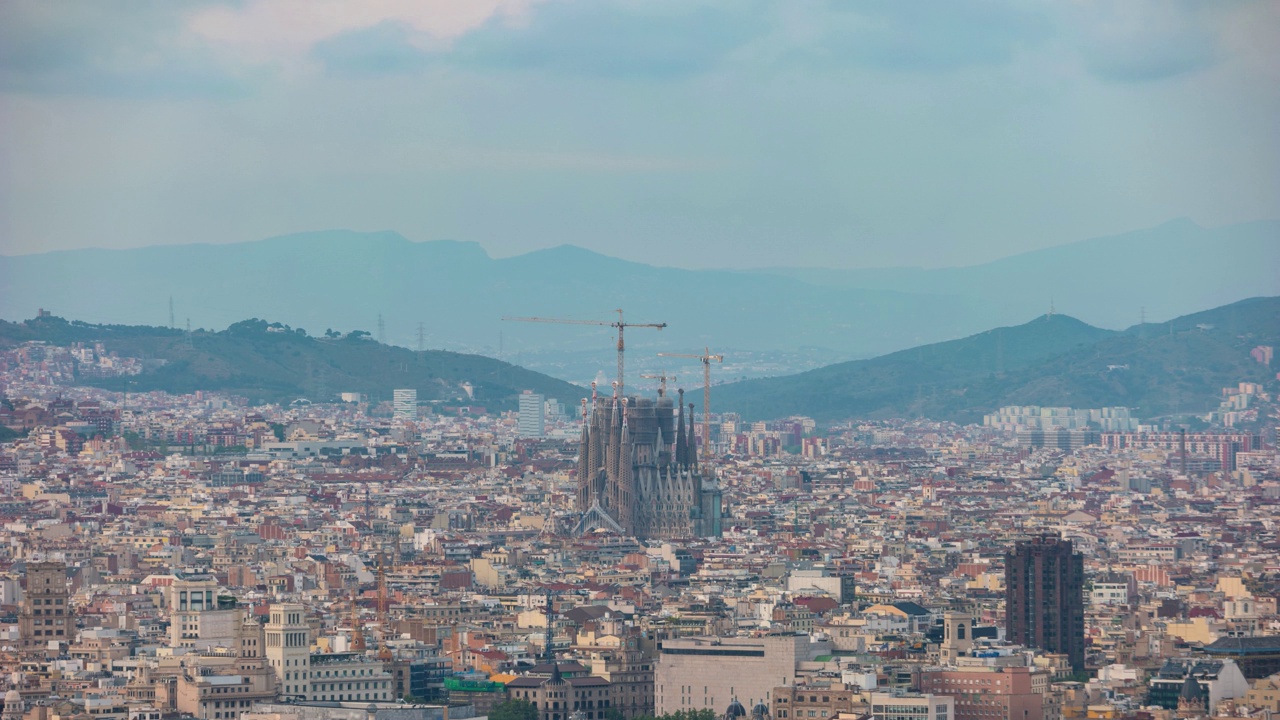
<point>957,636</point>
<point>1191,703</point>
<point>638,471</point>
<point>14,706</point>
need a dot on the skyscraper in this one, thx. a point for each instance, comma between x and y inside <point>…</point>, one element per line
<point>533,413</point>
<point>404,404</point>
<point>638,471</point>
<point>1044,597</point>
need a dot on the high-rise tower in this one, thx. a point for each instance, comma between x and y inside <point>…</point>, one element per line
<point>638,471</point>
<point>532,420</point>
<point>404,403</point>
<point>1044,597</point>
<point>45,614</point>
<point>288,650</point>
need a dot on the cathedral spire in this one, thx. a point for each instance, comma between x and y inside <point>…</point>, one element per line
<point>585,473</point>
<point>692,448</point>
<point>682,451</point>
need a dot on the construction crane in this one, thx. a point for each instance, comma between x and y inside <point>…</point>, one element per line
<point>706,358</point>
<point>620,324</point>
<point>662,378</point>
<point>384,651</point>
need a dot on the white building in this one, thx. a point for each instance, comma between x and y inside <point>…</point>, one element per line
<point>404,404</point>
<point>533,415</point>
<point>1109,593</point>
<point>818,579</point>
<point>349,677</point>
<point>892,706</point>
<point>1033,417</point>
<point>195,618</point>
<point>708,673</point>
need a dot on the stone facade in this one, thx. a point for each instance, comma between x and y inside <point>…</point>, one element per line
<point>638,471</point>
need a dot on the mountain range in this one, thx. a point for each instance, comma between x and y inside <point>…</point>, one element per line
<point>1157,369</point>
<point>452,295</point>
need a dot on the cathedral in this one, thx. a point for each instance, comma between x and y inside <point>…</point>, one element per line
<point>638,471</point>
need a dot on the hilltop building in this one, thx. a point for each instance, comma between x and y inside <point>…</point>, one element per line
<point>638,471</point>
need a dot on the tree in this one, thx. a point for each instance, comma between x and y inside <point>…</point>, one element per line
<point>514,710</point>
<point>703,714</point>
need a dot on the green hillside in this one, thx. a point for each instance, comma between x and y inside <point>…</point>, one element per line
<point>1171,367</point>
<point>273,363</point>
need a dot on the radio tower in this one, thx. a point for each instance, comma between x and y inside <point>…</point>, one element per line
<point>422,338</point>
<point>382,331</point>
<point>172,323</point>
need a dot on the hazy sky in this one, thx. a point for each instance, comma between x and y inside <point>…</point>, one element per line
<point>677,132</point>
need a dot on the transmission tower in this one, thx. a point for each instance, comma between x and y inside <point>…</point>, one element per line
<point>172,323</point>
<point>382,331</point>
<point>422,337</point>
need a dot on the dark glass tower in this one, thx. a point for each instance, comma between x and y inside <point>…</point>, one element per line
<point>1044,597</point>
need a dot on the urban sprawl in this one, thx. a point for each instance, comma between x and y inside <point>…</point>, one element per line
<point>192,556</point>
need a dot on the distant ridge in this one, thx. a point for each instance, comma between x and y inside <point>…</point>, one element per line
<point>278,364</point>
<point>1178,366</point>
<point>345,279</point>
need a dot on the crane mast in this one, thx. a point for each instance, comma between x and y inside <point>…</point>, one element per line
<point>620,324</point>
<point>706,358</point>
<point>662,379</point>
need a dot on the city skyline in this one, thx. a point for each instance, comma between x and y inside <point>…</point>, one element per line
<point>679,360</point>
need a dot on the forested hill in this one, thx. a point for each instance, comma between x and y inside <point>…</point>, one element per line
<point>274,363</point>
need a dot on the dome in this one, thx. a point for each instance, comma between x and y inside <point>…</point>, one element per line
<point>12,695</point>
<point>735,710</point>
<point>760,710</point>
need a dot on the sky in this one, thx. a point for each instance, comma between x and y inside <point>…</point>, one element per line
<point>690,133</point>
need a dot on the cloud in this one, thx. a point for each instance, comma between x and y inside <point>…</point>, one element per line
<point>1147,40</point>
<point>649,39</point>
<point>663,39</point>
<point>93,48</point>
<point>385,48</point>
<point>188,47</point>
<point>654,39</point>
<point>934,35</point>
<point>285,30</point>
